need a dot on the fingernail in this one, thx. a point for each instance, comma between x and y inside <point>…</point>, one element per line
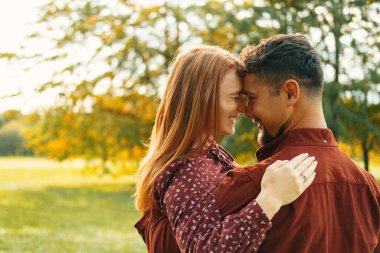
<point>312,157</point>
<point>305,154</point>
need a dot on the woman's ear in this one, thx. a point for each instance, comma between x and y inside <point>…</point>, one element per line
<point>291,89</point>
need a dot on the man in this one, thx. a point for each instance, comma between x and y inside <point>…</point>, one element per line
<point>340,211</point>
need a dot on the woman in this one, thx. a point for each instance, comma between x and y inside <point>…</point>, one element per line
<point>184,163</point>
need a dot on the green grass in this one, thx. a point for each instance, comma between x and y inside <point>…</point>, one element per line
<point>48,207</point>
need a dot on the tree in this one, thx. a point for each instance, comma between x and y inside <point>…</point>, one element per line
<point>363,117</point>
<point>106,106</point>
<point>353,25</point>
<point>12,123</point>
<point>108,137</point>
<point>114,52</point>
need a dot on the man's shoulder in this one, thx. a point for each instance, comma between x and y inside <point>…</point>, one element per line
<point>372,184</point>
<point>334,165</point>
<point>256,170</point>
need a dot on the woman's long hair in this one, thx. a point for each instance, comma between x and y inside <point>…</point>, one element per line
<point>187,116</point>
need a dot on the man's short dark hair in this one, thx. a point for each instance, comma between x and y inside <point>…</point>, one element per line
<point>284,57</point>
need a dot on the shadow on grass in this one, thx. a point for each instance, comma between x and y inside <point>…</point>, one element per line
<point>97,218</point>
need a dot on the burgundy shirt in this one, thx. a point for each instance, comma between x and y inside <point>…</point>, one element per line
<point>184,194</point>
<point>338,213</point>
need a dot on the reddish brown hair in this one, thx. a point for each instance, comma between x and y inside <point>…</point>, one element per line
<point>188,115</point>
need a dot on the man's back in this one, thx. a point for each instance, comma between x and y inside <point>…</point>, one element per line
<point>338,213</point>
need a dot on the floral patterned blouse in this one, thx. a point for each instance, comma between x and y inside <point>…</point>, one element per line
<point>184,192</point>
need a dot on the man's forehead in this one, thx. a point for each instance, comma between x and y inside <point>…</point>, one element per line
<point>251,78</point>
<point>250,87</point>
<point>252,84</point>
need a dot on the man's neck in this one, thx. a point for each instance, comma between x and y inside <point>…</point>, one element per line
<point>308,117</point>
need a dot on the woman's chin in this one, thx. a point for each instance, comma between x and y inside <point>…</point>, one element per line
<point>228,132</point>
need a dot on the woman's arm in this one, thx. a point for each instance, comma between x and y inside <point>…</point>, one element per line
<point>198,225</point>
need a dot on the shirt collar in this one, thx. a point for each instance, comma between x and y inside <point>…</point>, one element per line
<point>297,137</point>
<point>218,153</point>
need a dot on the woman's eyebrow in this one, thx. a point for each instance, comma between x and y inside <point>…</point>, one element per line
<point>236,92</point>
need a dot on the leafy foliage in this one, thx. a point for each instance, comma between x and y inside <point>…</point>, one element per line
<point>12,123</point>
<point>111,133</point>
<point>114,58</point>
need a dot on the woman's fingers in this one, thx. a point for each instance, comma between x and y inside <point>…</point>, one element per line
<point>285,181</point>
<point>309,180</point>
<point>309,170</point>
<point>304,165</point>
<point>296,160</point>
<point>278,164</point>
<point>308,175</point>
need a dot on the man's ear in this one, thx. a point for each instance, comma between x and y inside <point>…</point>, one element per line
<point>291,89</point>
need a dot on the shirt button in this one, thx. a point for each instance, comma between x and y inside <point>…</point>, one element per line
<point>324,141</point>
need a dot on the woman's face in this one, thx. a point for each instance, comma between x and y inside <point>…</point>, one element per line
<point>231,103</point>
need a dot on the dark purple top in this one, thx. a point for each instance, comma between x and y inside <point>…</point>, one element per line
<point>184,193</point>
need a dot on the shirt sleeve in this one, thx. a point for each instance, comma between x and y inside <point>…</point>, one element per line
<point>197,222</point>
<point>376,191</point>
<point>377,247</point>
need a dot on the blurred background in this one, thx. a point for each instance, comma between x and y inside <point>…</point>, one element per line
<point>80,82</point>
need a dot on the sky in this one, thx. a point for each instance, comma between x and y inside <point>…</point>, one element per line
<point>16,17</point>
<point>16,21</point>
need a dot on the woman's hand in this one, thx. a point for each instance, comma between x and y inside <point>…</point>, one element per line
<point>284,181</point>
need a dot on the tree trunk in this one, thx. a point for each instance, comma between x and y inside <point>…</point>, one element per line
<point>365,156</point>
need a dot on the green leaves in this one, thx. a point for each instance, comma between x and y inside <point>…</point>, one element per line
<point>114,57</point>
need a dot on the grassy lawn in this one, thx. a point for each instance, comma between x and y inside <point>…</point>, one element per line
<point>47,207</point>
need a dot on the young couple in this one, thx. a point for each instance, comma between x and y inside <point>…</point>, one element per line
<point>195,198</point>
